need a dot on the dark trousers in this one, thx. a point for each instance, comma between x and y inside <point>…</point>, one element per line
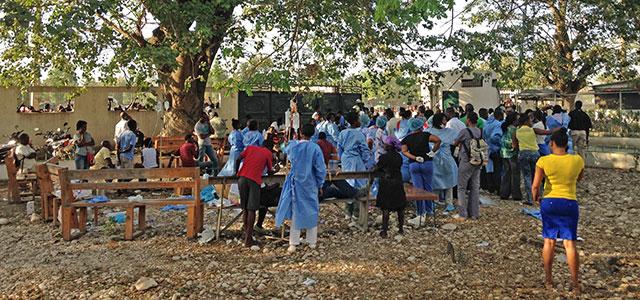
<point>340,189</point>
<point>510,185</point>
<point>494,179</point>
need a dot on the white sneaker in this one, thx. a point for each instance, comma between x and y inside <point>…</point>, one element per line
<point>417,221</point>
<point>312,246</point>
<point>291,249</point>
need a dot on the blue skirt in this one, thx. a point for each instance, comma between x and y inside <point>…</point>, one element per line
<point>559,218</point>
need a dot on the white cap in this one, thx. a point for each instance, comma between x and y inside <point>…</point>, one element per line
<point>315,115</point>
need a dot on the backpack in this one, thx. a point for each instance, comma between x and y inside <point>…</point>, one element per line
<point>477,151</point>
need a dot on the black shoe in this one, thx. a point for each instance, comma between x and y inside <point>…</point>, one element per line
<point>383,234</point>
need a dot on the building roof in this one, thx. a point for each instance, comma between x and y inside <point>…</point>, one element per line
<point>627,85</point>
<point>538,94</point>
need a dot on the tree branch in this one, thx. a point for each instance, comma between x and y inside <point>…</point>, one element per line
<point>138,38</point>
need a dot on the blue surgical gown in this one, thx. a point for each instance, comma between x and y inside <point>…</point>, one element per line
<point>354,153</point>
<point>299,195</point>
<point>254,138</point>
<point>235,140</point>
<point>445,170</point>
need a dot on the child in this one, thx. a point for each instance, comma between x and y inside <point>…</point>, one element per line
<point>391,195</point>
<point>299,198</point>
<point>150,157</point>
<point>25,156</point>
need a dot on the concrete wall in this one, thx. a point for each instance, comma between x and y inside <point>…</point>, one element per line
<point>91,106</point>
<point>481,97</point>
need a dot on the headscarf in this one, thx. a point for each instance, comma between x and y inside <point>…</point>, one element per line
<point>381,122</point>
<point>393,141</point>
<point>364,120</point>
<point>415,124</point>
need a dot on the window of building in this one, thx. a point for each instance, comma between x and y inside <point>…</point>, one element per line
<point>475,82</point>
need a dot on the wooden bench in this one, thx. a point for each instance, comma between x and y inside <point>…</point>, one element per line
<point>71,180</point>
<point>14,187</point>
<point>48,178</point>
<point>167,146</point>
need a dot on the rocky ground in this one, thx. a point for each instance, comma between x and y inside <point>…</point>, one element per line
<point>497,256</point>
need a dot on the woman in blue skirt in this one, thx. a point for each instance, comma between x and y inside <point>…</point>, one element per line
<point>559,205</point>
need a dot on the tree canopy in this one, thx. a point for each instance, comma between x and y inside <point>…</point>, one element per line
<point>174,43</point>
<point>555,43</point>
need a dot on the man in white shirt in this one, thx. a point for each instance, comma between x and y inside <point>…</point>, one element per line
<point>121,126</point>
<point>454,123</point>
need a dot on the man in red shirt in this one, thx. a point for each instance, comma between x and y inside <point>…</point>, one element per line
<point>255,161</point>
<point>189,153</point>
<point>328,149</point>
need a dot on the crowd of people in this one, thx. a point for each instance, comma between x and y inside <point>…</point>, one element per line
<point>453,153</point>
<point>45,108</point>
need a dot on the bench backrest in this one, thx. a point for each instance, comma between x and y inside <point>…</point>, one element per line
<point>71,180</point>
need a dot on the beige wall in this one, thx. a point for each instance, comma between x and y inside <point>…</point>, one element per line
<point>91,106</point>
<point>486,96</point>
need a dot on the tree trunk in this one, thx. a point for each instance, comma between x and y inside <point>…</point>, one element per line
<point>178,88</point>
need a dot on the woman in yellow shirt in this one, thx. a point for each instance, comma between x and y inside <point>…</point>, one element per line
<point>559,207</point>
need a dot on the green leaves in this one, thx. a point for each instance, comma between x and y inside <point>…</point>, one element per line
<point>558,44</point>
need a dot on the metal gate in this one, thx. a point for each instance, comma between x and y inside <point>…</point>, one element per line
<point>267,107</point>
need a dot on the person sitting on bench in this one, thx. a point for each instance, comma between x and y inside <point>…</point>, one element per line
<point>336,188</point>
<point>103,160</point>
<point>25,156</point>
<point>189,154</point>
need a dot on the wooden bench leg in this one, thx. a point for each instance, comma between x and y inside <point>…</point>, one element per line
<point>142,218</point>
<point>200,218</point>
<point>82,219</point>
<point>56,207</point>
<point>128,225</point>
<point>96,213</point>
<point>67,220</point>
<point>363,214</point>
<point>191,222</point>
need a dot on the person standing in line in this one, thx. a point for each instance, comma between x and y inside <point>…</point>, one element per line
<point>299,198</point>
<point>580,125</point>
<point>150,157</point>
<point>526,143</point>
<point>127,145</point>
<point>453,121</point>
<point>445,169</point>
<point>492,134</point>
<point>252,136</point>
<point>415,146</point>
<point>541,132</point>
<point>510,183</point>
<point>391,195</point>
<point>219,127</point>
<point>468,174</point>
<point>203,131</point>
<point>83,142</point>
<point>237,146</point>
<point>559,206</point>
<point>354,154</point>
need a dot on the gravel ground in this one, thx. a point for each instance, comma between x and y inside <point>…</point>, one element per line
<point>497,256</point>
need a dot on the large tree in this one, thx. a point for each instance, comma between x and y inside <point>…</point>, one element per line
<point>174,43</point>
<point>555,43</point>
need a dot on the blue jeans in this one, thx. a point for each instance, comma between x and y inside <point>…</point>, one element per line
<point>421,175</point>
<point>208,150</point>
<point>527,160</point>
<point>81,162</point>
